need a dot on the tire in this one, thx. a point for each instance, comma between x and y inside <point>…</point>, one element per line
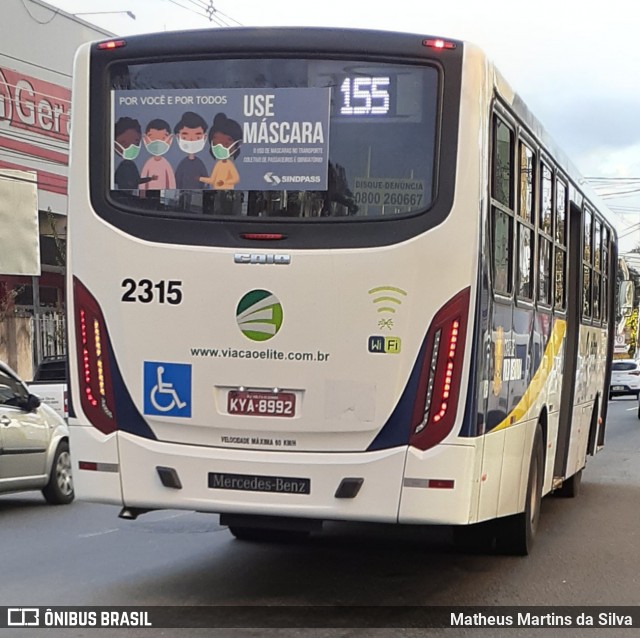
<point>258,534</point>
<point>571,486</point>
<point>59,489</point>
<point>515,534</point>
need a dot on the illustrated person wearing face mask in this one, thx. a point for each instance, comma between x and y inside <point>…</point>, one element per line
<point>157,140</point>
<point>225,138</point>
<point>127,137</point>
<point>190,136</point>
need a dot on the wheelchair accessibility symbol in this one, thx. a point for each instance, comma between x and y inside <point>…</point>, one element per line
<point>167,389</point>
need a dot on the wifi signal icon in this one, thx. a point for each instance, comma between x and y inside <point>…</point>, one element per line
<point>386,297</point>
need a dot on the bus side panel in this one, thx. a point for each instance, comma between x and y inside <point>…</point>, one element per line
<point>581,418</point>
<point>514,468</point>
<point>491,476</point>
<point>590,376</point>
<point>506,470</point>
<point>421,503</point>
<point>100,484</point>
<point>553,426</point>
<point>376,501</point>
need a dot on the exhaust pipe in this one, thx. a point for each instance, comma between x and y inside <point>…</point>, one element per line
<point>131,513</point>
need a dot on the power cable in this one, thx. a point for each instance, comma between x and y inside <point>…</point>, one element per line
<point>206,10</point>
<point>609,179</point>
<point>228,17</point>
<point>202,15</point>
<point>201,5</point>
<point>629,231</point>
<point>55,13</point>
<point>620,193</point>
<point>211,10</point>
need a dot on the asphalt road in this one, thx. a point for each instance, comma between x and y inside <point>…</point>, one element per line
<point>586,553</point>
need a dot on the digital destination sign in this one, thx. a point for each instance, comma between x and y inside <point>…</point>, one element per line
<point>372,93</point>
<point>365,96</point>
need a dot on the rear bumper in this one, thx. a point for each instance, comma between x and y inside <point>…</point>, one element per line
<point>385,496</point>
<point>620,389</point>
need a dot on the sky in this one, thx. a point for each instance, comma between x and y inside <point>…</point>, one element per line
<point>575,63</point>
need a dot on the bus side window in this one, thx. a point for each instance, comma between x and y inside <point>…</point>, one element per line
<point>597,270</point>
<point>527,176</point>
<point>502,200</point>
<point>502,251</point>
<point>526,244</point>
<point>502,164</point>
<point>560,246</point>
<point>605,279</point>
<point>545,237</point>
<point>526,222</point>
<point>587,264</point>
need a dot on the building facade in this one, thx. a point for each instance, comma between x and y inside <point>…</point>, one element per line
<point>36,61</point>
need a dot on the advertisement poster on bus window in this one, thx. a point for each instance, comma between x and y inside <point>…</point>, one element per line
<point>221,139</point>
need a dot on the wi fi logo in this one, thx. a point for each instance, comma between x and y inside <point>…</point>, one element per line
<point>387,298</point>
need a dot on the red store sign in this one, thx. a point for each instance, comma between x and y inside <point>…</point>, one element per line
<point>34,105</point>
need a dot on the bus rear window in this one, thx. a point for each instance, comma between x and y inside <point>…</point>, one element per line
<point>273,138</point>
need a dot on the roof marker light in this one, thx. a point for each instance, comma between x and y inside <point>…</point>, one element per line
<point>111,44</point>
<point>437,43</point>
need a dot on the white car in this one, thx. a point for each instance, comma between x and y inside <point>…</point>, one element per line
<point>34,443</point>
<point>625,377</point>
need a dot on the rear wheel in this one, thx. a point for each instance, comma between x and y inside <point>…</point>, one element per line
<point>257,534</point>
<point>59,489</point>
<point>515,534</point>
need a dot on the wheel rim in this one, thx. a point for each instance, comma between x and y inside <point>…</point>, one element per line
<point>64,478</point>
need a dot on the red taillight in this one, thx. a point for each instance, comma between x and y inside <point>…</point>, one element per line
<point>92,466</point>
<point>448,375</point>
<point>111,44</point>
<point>635,373</point>
<point>263,236</point>
<point>439,386</point>
<point>96,393</point>
<point>441,484</point>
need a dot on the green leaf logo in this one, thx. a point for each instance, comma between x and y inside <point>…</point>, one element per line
<point>259,315</point>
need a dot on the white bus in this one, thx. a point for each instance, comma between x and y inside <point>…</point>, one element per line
<point>329,275</point>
